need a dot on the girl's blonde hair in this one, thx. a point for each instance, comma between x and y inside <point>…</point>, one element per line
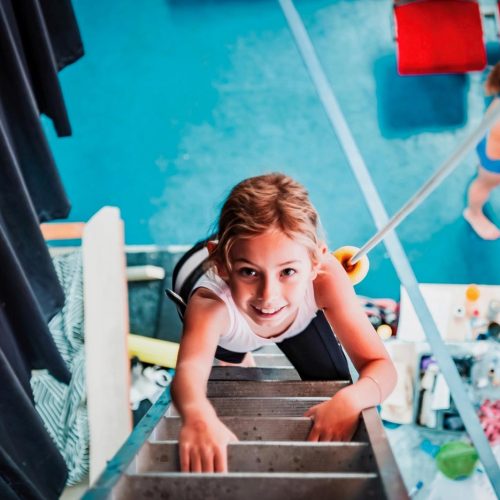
<point>263,203</point>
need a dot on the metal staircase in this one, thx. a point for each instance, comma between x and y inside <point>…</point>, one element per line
<point>263,406</point>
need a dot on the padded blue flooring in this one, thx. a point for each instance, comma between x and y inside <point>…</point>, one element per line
<point>175,101</point>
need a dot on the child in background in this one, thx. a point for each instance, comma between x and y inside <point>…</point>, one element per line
<point>488,170</point>
<point>270,279</point>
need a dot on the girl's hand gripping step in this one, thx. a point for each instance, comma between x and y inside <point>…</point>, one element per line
<point>203,445</point>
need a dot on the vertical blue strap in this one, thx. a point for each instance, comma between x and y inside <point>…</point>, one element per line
<point>117,466</point>
<point>392,243</point>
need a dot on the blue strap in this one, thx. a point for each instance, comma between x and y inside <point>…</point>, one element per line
<point>117,466</point>
<point>392,243</point>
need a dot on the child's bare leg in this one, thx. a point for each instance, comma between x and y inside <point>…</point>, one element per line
<point>478,194</point>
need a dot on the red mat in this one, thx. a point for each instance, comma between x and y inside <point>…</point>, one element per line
<point>439,36</point>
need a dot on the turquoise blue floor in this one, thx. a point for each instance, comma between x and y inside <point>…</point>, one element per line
<point>175,101</point>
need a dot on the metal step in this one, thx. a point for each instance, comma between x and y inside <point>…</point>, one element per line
<point>269,456</point>
<point>260,407</point>
<point>256,374</point>
<point>271,360</point>
<point>255,428</point>
<point>248,486</point>
<point>264,407</point>
<point>266,360</point>
<point>268,349</point>
<point>284,388</point>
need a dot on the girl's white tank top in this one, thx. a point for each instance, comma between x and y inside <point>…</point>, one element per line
<point>240,337</point>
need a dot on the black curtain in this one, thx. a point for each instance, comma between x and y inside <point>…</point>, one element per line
<point>37,38</point>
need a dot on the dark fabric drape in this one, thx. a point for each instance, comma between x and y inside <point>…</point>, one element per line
<point>22,103</point>
<point>37,38</point>
<point>63,31</point>
<point>50,38</point>
<point>20,224</point>
<point>30,465</point>
<point>32,339</point>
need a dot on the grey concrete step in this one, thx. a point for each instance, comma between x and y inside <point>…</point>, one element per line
<point>255,429</point>
<point>265,360</point>
<point>271,360</point>
<point>264,407</point>
<point>256,374</point>
<point>282,388</point>
<point>249,486</point>
<point>268,349</point>
<point>261,407</point>
<point>273,460</point>
<point>254,456</point>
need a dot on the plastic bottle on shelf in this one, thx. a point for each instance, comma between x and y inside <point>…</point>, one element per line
<point>478,326</point>
<point>472,294</point>
<point>493,309</point>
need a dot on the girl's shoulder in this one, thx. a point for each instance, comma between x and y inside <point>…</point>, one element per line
<point>211,282</point>
<point>331,282</point>
<point>210,288</point>
<point>206,310</point>
<point>210,299</point>
<point>206,294</point>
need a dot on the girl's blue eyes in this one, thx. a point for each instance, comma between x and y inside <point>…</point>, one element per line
<point>248,272</point>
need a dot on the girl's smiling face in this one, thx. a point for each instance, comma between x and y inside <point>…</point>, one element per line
<point>268,279</point>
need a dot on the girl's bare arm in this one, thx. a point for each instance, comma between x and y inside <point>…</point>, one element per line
<point>335,295</point>
<point>203,437</point>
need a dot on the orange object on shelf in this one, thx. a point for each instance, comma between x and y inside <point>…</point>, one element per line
<point>472,293</point>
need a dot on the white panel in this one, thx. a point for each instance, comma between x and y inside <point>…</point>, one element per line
<point>106,330</point>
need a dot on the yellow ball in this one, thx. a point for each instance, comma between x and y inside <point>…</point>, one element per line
<point>384,332</point>
<point>356,272</point>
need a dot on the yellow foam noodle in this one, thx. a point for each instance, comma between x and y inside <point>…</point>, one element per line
<point>155,351</point>
<point>356,272</point>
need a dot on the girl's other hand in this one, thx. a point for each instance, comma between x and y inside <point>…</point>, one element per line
<point>203,445</point>
<point>335,419</point>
